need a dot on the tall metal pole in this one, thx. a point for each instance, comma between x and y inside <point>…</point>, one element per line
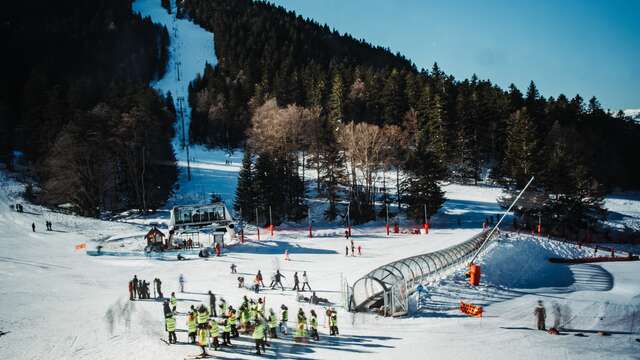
<point>309,216</point>
<point>501,218</point>
<point>270,221</point>
<point>257,224</point>
<point>387,219</point>
<point>348,219</point>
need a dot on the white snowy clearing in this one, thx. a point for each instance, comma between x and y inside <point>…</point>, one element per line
<point>58,302</point>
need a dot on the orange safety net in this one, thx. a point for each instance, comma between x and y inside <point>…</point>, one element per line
<point>81,246</point>
<point>471,310</point>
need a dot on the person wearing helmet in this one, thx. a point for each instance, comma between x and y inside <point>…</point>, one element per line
<point>259,335</point>
<point>541,315</point>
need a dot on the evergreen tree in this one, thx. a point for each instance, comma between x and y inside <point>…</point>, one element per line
<point>245,196</point>
<point>336,109</point>
<point>436,132</point>
<point>421,187</point>
<point>521,149</point>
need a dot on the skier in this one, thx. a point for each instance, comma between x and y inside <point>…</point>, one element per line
<point>259,278</point>
<point>166,309</point>
<point>212,304</point>
<point>173,301</point>
<point>540,315</point>
<point>203,337</point>
<point>353,249</point>
<point>333,322</point>
<point>136,292</point>
<point>273,324</point>
<point>181,281</point>
<point>214,332</point>
<point>131,290</point>
<point>359,250</point>
<point>305,281</point>
<point>278,279</point>
<point>234,269</point>
<point>33,227</point>
<point>346,250</point>
<point>296,282</point>
<point>258,336</point>
<point>226,331</point>
<point>170,324</point>
<point>302,324</point>
<point>233,318</point>
<point>192,327</point>
<point>284,317</point>
<point>314,326</point>
<point>202,317</point>
<point>159,288</point>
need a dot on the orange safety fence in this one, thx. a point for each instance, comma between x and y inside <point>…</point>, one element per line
<point>471,310</point>
<point>81,246</point>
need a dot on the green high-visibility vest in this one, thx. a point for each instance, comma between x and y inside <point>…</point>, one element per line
<point>215,331</point>
<point>314,322</point>
<point>285,315</point>
<point>227,326</point>
<point>191,323</point>
<point>258,331</point>
<point>273,321</point>
<point>203,317</point>
<point>173,300</point>
<point>171,324</point>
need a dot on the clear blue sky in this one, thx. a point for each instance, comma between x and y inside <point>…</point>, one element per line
<point>568,46</point>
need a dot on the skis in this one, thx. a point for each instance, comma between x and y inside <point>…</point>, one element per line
<point>198,356</point>
<point>165,341</point>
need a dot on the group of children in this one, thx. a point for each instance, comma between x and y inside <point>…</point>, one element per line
<point>205,329</point>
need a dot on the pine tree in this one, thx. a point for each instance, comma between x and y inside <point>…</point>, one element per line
<point>421,188</point>
<point>521,149</point>
<point>336,108</point>
<point>436,132</point>
<point>245,196</point>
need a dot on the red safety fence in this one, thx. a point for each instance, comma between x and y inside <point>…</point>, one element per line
<point>471,310</point>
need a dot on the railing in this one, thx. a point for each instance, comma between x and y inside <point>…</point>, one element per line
<point>382,287</point>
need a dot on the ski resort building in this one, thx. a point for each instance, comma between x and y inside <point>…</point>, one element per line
<point>197,216</point>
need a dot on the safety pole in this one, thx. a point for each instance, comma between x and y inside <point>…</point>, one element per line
<point>501,218</point>
<point>241,228</point>
<point>387,219</point>
<point>270,221</point>
<point>257,224</point>
<point>309,216</point>
<point>424,225</point>
<point>348,219</point>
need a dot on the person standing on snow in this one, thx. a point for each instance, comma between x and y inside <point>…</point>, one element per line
<point>314,326</point>
<point>131,290</point>
<point>136,291</point>
<point>346,250</point>
<point>273,324</point>
<point>259,278</point>
<point>541,315</point>
<point>192,326</point>
<point>259,332</point>
<point>333,322</point>
<point>278,279</point>
<point>212,304</point>
<point>33,227</point>
<point>353,249</point>
<point>174,302</point>
<point>181,281</point>
<point>305,281</point>
<point>170,324</point>
<point>284,317</point>
<point>214,332</point>
<point>296,282</point>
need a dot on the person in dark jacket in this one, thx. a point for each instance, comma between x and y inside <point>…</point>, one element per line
<point>296,282</point>
<point>212,304</point>
<point>541,315</point>
<point>278,280</point>
<point>135,286</point>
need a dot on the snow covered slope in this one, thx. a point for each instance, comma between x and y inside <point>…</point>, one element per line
<point>60,303</point>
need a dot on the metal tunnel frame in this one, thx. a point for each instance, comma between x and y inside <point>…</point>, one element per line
<point>407,273</point>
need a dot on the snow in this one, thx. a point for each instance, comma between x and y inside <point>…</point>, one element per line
<point>75,306</point>
<point>623,210</point>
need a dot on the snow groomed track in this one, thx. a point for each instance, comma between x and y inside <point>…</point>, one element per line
<point>388,286</point>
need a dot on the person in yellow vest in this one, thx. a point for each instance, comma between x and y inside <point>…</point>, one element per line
<point>273,324</point>
<point>259,335</point>
<point>203,338</point>
<point>170,323</point>
<point>244,318</point>
<point>214,332</point>
<point>191,327</point>
<point>173,301</point>
<point>226,331</point>
<point>202,317</point>
<point>314,326</point>
<point>223,307</point>
<point>333,323</point>
<point>233,318</point>
<point>302,324</point>
<point>284,317</point>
